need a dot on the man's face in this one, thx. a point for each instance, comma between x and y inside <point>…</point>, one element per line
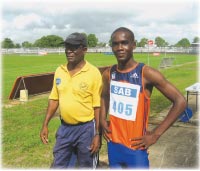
<point>75,53</point>
<point>122,46</point>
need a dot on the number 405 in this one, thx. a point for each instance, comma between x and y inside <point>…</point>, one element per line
<point>121,108</point>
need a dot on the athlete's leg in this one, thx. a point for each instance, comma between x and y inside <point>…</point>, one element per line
<point>114,157</point>
<point>137,159</point>
<point>121,156</point>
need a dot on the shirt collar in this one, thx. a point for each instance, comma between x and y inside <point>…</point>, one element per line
<point>84,69</point>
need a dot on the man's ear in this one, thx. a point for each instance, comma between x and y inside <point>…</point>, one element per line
<point>85,49</point>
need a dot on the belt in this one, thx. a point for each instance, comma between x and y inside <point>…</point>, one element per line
<point>80,123</point>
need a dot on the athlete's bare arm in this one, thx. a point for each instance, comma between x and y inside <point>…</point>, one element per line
<point>105,103</point>
<point>157,80</point>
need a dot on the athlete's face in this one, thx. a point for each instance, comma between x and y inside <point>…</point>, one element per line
<point>75,53</point>
<point>122,46</point>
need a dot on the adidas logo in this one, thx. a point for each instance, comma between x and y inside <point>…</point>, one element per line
<point>113,75</point>
<point>134,75</point>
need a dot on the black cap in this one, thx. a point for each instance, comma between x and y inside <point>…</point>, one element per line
<point>76,39</point>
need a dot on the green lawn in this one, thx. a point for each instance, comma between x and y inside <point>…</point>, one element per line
<point>21,145</point>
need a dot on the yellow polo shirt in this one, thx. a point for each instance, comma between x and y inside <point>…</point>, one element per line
<point>77,94</point>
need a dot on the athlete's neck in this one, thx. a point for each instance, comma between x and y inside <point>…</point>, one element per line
<point>126,65</point>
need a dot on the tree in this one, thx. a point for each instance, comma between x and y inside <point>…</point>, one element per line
<point>92,40</point>
<point>49,41</point>
<point>101,44</point>
<point>142,42</point>
<point>7,43</point>
<point>196,40</point>
<point>160,42</point>
<point>26,44</point>
<point>183,43</point>
<point>17,45</point>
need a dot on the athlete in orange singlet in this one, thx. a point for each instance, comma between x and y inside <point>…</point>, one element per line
<point>127,88</point>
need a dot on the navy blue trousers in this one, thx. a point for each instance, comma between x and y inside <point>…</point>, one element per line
<point>73,146</point>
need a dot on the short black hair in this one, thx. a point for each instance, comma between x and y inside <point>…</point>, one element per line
<point>124,29</point>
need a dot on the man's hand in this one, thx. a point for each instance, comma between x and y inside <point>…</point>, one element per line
<point>44,135</point>
<point>106,130</point>
<point>95,146</point>
<point>145,141</point>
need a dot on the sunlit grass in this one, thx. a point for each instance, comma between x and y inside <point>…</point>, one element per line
<point>21,145</point>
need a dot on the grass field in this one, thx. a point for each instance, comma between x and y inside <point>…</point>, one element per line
<point>21,145</point>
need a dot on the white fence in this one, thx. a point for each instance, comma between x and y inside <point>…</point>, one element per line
<point>42,51</point>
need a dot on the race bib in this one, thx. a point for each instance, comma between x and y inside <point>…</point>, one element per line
<point>124,100</point>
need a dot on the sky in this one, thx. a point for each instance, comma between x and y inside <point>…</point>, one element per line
<point>29,20</point>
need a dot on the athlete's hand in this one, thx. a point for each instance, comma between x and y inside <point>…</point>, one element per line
<point>106,130</point>
<point>44,135</point>
<point>145,141</point>
<point>95,145</point>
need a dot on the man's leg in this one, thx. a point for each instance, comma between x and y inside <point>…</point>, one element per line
<point>63,149</point>
<point>85,158</point>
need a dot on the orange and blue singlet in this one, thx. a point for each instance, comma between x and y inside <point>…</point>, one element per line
<point>128,113</point>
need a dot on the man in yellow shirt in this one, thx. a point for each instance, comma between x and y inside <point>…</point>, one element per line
<point>76,90</point>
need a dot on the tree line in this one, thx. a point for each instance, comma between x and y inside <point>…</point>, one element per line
<point>54,41</point>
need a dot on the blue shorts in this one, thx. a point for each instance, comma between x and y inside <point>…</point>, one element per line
<point>120,156</point>
<point>73,146</point>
